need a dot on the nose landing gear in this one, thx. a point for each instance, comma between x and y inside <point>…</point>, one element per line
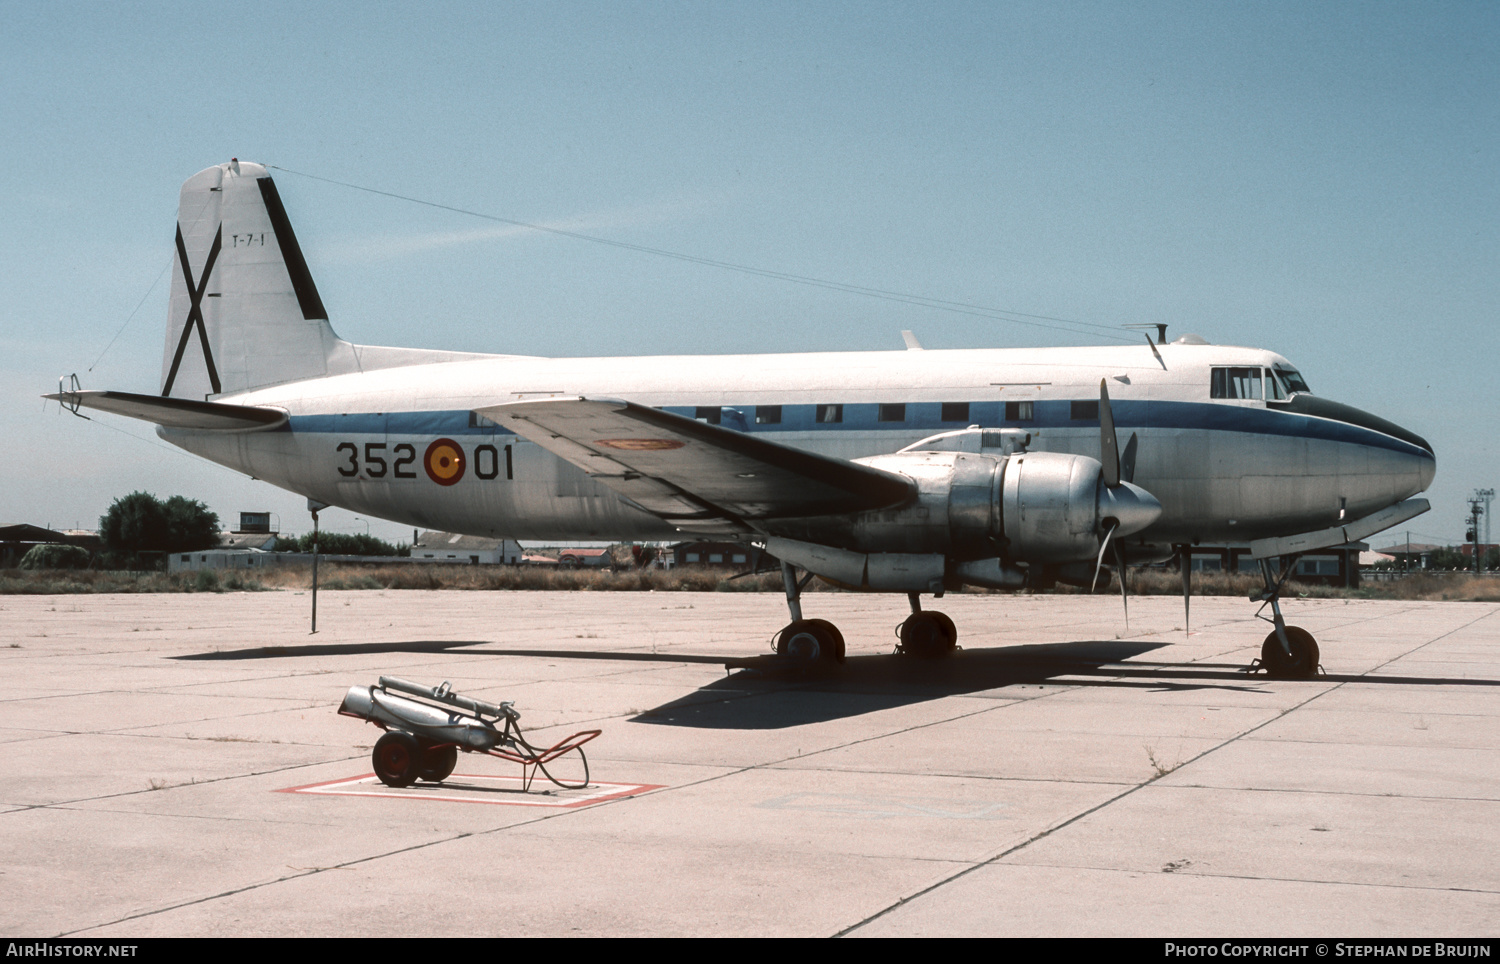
<point>1289,652</point>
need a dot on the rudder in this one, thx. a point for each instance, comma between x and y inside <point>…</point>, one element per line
<point>244,310</point>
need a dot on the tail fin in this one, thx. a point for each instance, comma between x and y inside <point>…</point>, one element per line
<point>244,312</point>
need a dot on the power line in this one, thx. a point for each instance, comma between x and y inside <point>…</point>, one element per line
<point>959,307</point>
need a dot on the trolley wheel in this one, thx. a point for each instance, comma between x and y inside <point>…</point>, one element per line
<point>437,763</point>
<point>397,758</point>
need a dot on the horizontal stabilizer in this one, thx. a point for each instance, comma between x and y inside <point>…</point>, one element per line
<point>1338,535</point>
<point>184,413</point>
<point>692,473</point>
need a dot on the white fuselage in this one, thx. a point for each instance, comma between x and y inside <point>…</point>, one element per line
<point>1224,469</point>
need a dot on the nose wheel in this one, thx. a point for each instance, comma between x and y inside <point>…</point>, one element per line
<point>1289,652</point>
<point>1300,663</point>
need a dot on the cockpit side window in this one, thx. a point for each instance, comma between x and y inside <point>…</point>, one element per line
<point>1274,390</point>
<point>1235,383</point>
<point>1292,379</point>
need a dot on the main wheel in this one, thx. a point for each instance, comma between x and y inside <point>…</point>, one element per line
<point>437,763</point>
<point>928,634</point>
<point>1302,664</point>
<point>811,641</point>
<point>834,635</point>
<point>397,759</point>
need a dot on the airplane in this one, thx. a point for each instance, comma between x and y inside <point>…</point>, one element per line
<point>908,471</point>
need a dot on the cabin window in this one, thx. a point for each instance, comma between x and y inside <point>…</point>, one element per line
<point>711,414</point>
<point>1019,412</point>
<point>768,415</point>
<point>1235,383</point>
<point>892,412</point>
<point>955,412</point>
<point>830,414</point>
<point>1084,411</point>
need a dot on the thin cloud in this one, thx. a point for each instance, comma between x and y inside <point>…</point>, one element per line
<point>366,249</point>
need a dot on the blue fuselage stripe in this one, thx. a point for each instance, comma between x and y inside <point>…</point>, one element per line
<point>918,416</point>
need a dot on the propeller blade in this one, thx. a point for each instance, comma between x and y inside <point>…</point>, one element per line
<point>1186,562</point>
<point>1109,446</point>
<point>1103,548</point>
<point>1120,569</point>
<point>1127,460</point>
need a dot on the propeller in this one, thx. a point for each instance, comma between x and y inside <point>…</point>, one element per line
<point>1119,470</point>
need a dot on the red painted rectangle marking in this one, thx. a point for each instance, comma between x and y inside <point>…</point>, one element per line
<point>505,791</point>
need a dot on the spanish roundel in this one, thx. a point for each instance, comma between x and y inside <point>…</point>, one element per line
<point>444,461</point>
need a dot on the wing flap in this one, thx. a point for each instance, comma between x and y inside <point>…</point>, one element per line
<point>677,467</point>
<point>181,413</point>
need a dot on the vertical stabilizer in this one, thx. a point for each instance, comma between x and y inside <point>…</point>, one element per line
<point>244,311</point>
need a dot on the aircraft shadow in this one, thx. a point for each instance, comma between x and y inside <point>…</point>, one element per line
<point>768,692</point>
<point>336,649</point>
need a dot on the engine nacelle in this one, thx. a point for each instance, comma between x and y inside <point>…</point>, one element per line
<point>974,515</point>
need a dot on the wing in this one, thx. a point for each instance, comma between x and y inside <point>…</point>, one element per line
<point>177,412</point>
<point>695,475</point>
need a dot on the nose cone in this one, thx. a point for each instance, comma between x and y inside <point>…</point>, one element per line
<point>1130,505</point>
<point>1426,470</point>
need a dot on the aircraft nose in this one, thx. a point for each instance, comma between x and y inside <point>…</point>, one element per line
<point>1427,470</point>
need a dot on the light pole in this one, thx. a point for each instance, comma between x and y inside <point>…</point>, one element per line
<point>1486,496</point>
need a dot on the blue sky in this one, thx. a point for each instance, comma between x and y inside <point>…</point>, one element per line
<point>1318,179</point>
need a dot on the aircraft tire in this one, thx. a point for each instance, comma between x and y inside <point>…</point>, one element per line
<point>1302,664</point>
<point>437,763</point>
<point>397,758</point>
<point>833,634</point>
<point>928,635</point>
<point>811,641</point>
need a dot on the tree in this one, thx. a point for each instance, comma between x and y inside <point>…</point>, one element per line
<point>55,557</point>
<point>344,544</point>
<point>140,522</point>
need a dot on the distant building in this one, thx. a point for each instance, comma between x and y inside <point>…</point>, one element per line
<point>19,538</point>
<point>474,550</point>
<point>1334,566</point>
<point>1412,555</point>
<point>725,555</point>
<point>583,558</point>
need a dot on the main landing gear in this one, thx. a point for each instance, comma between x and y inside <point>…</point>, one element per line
<point>925,633</point>
<point>808,641</point>
<point>928,634</point>
<point>1289,652</point>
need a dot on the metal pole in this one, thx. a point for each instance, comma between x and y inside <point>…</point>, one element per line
<point>313,506</point>
<point>315,574</point>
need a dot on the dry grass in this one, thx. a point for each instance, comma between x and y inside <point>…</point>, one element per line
<point>490,578</point>
<point>1143,582</point>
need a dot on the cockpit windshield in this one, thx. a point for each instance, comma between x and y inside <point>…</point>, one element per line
<point>1246,383</point>
<point>1291,379</point>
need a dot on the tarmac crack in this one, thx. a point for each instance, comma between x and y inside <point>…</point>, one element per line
<point>933,887</point>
